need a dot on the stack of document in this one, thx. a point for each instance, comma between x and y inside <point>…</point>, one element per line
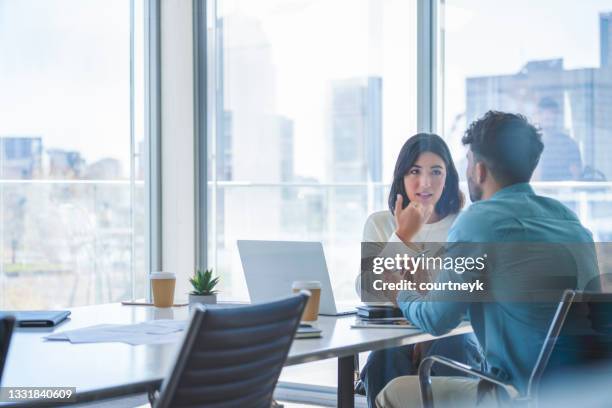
<point>389,323</point>
<point>378,312</point>
<point>307,331</point>
<point>380,317</point>
<point>151,332</point>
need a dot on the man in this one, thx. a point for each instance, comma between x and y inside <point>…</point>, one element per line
<point>506,214</point>
<point>561,157</point>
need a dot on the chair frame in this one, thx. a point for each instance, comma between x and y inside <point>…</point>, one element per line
<point>162,397</point>
<point>530,398</point>
<point>8,322</point>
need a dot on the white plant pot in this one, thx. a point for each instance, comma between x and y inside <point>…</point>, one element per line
<point>202,299</point>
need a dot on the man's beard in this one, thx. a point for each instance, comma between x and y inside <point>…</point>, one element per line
<point>475,191</point>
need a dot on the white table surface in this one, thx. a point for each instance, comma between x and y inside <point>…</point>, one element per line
<point>103,370</point>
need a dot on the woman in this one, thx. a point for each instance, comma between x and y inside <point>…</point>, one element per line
<point>423,203</point>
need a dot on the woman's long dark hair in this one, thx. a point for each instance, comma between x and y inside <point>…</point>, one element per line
<point>451,200</point>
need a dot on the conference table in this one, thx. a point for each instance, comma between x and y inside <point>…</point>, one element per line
<point>108,370</point>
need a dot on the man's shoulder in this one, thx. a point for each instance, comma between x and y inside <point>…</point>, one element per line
<point>481,211</point>
<point>555,208</point>
<point>475,222</point>
<point>519,205</point>
<point>516,215</point>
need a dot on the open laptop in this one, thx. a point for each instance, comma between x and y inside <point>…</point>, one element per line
<point>270,267</point>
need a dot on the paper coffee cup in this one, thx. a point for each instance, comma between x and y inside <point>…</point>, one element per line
<point>311,311</point>
<point>162,285</point>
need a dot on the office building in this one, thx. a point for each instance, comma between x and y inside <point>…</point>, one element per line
<point>104,169</point>
<point>65,164</point>
<point>584,97</point>
<point>21,157</point>
<point>605,39</point>
<point>355,126</point>
<point>356,130</point>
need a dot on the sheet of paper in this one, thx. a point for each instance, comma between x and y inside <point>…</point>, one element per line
<point>151,332</point>
<point>64,335</point>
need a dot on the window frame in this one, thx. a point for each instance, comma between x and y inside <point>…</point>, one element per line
<point>152,87</point>
<point>206,68</point>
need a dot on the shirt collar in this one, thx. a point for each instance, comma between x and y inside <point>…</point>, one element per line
<point>523,188</point>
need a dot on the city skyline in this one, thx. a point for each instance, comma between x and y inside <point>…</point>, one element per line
<point>370,18</point>
<point>26,157</point>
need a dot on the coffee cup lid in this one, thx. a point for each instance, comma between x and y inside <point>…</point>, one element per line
<point>162,275</point>
<point>306,285</point>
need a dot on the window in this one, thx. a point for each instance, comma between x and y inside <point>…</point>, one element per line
<point>302,148</point>
<point>552,64</point>
<point>72,152</point>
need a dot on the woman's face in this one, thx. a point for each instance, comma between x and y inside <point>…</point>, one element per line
<point>425,180</point>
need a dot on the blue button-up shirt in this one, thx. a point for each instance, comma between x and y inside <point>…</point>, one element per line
<point>510,332</point>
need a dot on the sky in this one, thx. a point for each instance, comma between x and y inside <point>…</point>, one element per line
<point>64,64</point>
<point>65,75</point>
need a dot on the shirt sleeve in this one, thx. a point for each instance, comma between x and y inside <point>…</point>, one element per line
<point>435,313</point>
<point>371,233</point>
<point>383,247</point>
<point>395,243</point>
<point>440,312</point>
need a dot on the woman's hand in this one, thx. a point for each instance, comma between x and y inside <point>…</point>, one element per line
<point>409,220</point>
<point>395,277</point>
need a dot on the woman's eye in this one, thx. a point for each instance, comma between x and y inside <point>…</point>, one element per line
<point>414,171</point>
<point>437,172</point>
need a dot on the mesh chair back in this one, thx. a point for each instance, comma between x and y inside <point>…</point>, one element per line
<point>579,339</point>
<point>232,357</point>
<point>6,330</point>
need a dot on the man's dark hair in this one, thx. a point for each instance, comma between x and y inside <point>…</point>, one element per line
<point>508,145</point>
<point>451,200</point>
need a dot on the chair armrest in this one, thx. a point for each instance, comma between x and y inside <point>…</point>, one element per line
<point>153,396</point>
<point>425,377</point>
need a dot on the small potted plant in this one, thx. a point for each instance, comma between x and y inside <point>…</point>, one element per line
<point>203,288</point>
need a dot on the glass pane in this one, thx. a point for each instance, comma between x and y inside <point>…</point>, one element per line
<point>71,196</point>
<point>554,68</point>
<point>300,119</point>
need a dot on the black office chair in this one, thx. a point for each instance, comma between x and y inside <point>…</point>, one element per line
<point>232,357</point>
<point>7,323</point>
<point>578,342</point>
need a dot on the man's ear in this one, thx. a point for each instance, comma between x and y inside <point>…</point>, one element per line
<point>481,172</point>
